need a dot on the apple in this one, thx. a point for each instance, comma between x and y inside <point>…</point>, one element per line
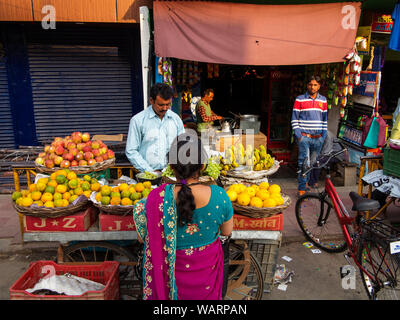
<point>103,150</point>
<point>39,161</point>
<point>68,156</point>
<point>57,160</point>
<point>87,156</point>
<point>52,156</point>
<point>85,137</point>
<point>42,155</point>
<point>110,154</point>
<point>99,159</point>
<point>74,163</point>
<point>74,151</point>
<point>51,149</point>
<point>59,150</point>
<point>89,143</point>
<point>80,146</point>
<point>96,152</point>
<point>71,145</point>
<point>87,149</point>
<point>46,148</point>
<point>76,137</point>
<point>49,164</point>
<point>91,162</point>
<point>105,156</point>
<point>79,156</point>
<point>82,163</point>
<point>95,144</point>
<point>65,164</point>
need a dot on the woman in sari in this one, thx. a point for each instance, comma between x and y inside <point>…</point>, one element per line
<point>180,225</point>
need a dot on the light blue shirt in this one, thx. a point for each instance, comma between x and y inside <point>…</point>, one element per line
<point>149,139</point>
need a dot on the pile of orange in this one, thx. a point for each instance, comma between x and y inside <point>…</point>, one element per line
<point>61,189</point>
<point>124,194</point>
<point>259,196</point>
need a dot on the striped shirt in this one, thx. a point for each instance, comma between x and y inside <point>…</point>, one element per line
<point>310,115</point>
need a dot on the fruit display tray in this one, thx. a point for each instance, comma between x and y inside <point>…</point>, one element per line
<point>98,166</point>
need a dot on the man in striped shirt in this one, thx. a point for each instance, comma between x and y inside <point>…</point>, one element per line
<point>310,125</point>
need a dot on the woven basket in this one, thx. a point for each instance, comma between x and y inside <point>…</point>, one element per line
<point>44,212</point>
<point>207,180</point>
<point>115,210</point>
<point>249,175</point>
<point>254,212</point>
<point>98,166</point>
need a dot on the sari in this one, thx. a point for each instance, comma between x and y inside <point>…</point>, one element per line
<point>170,273</point>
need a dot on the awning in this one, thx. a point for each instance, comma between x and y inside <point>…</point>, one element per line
<point>249,34</point>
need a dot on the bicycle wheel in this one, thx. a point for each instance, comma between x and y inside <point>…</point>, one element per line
<point>374,256</point>
<point>312,214</point>
<point>245,279</point>
<point>99,251</point>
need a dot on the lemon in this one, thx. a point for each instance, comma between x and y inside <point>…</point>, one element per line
<point>32,187</point>
<point>98,197</point>
<point>256,187</point>
<point>87,178</point>
<point>61,188</point>
<point>263,194</point>
<point>43,180</point>
<point>19,201</point>
<point>123,186</point>
<point>87,193</point>
<point>279,200</point>
<point>243,199</point>
<point>250,191</point>
<point>40,186</point>
<point>274,188</point>
<point>71,175</point>
<point>73,198</point>
<point>115,201</point>
<point>47,196</point>
<point>232,195</point>
<point>39,203</point>
<point>269,203</point>
<point>256,202</point>
<point>242,187</point>
<point>58,203</point>
<point>264,185</point>
<point>105,190</point>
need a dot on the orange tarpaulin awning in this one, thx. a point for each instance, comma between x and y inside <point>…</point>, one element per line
<point>250,34</point>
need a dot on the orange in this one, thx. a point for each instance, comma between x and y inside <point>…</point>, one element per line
<point>243,199</point>
<point>27,202</point>
<point>47,196</point>
<point>251,191</point>
<point>125,194</point>
<point>65,202</point>
<point>147,184</point>
<point>95,186</point>
<point>115,201</point>
<point>71,175</point>
<point>19,201</point>
<point>40,186</point>
<point>85,186</point>
<point>53,176</point>
<point>52,183</point>
<point>73,183</point>
<point>36,195</point>
<point>139,187</point>
<point>115,189</point>
<point>126,202</point>
<point>66,195</point>
<point>57,196</point>
<point>232,195</point>
<point>16,195</point>
<point>39,203</point>
<point>78,191</point>
<point>145,192</point>
<point>132,189</point>
<point>87,178</point>
<point>61,188</point>
<point>61,178</point>
<point>256,202</point>
<point>256,187</point>
<point>135,196</point>
<point>269,203</point>
<point>105,190</point>
<point>73,198</point>
<point>32,187</point>
<point>123,186</point>
<point>61,172</point>
<point>58,203</point>
<point>98,197</point>
<point>115,194</point>
<point>87,193</point>
<point>49,204</point>
<point>43,180</point>
<point>105,200</point>
<point>278,198</point>
<point>50,189</point>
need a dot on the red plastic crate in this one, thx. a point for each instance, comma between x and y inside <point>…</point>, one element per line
<point>106,273</point>
<point>281,155</point>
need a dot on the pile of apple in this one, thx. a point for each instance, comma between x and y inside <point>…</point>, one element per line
<point>74,150</point>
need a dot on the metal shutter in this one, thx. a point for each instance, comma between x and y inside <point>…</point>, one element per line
<point>79,88</point>
<point>6,122</point>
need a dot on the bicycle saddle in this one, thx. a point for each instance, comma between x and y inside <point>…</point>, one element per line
<point>363,204</point>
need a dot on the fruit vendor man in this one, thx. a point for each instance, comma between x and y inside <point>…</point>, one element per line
<point>152,131</point>
<point>309,124</point>
<point>204,115</point>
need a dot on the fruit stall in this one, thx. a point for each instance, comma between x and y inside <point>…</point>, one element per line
<point>77,205</point>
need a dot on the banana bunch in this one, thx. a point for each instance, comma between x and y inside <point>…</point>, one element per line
<point>263,160</point>
<point>235,155</point>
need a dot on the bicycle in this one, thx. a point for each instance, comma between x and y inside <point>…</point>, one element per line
<point>368,241</point>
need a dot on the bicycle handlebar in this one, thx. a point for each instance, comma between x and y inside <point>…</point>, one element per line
<point>327,161</point>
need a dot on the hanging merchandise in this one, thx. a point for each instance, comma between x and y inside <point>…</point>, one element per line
<point>187,73</point>
<point>374,132</point>
<point>164,69</point>
<point>210,69</point>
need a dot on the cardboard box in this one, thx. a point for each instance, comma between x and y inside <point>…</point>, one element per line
<point>226,141</point>
<point>274,223</point>
<point>77,222</point>
<point>110,222</point>
<point>108,137</point>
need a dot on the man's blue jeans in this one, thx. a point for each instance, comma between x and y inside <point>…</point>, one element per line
<point>308,148</point>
